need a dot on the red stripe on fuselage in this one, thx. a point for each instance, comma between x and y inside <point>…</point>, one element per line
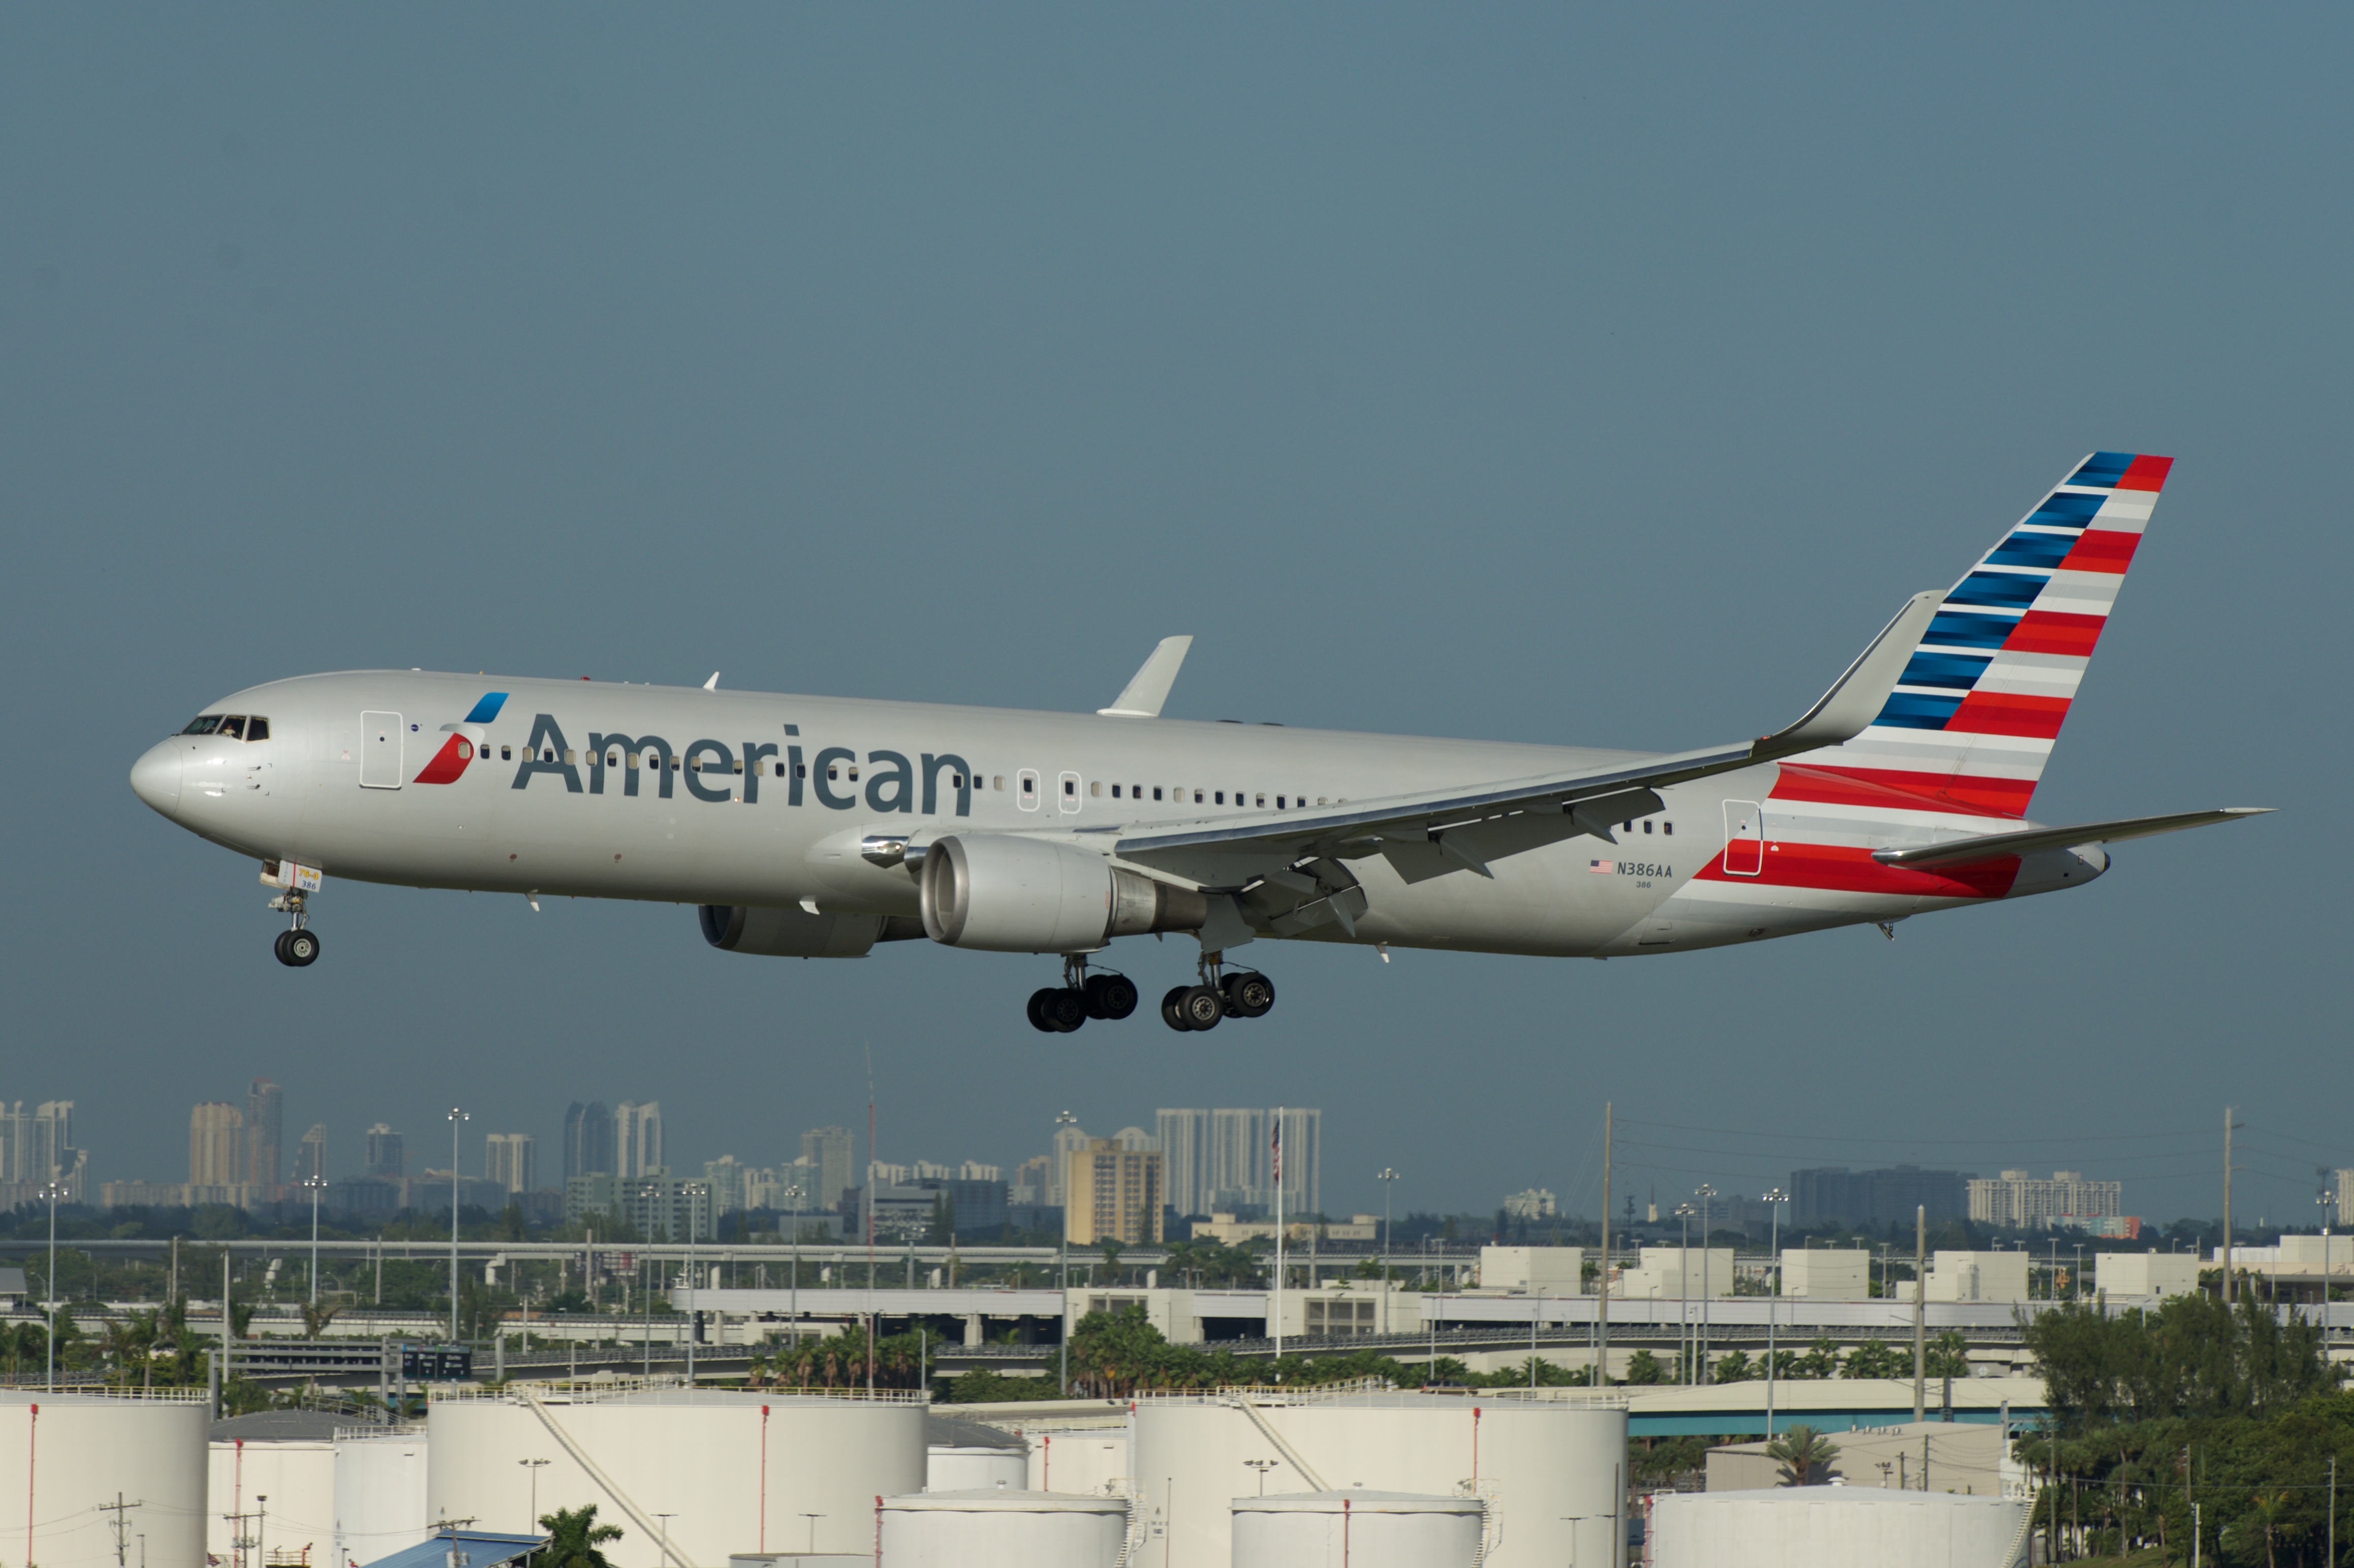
<point>448,763</point>
<point>1831,868</point>
<point>1892,790</point>
<point>2055,632</point>
<point>2007,713</point>
<point>2145,473</point>
<point>2101,550</point>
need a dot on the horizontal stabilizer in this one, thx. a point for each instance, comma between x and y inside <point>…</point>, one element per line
<point>1987,845</point>
<point>1142,696</point>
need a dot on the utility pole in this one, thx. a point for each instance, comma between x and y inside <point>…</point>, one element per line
<point>1707,1196</point>
<point>1388,1179</point>
<point>457,1119</point>
<point>50,1284</point>
<point>1279,1244</point>
<point>1602,1274</point>
<point>1773,1304</point>
<point>1920,1308</point>
<point>121,1512</point>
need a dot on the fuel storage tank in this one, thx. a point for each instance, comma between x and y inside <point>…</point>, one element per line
<point>1357,1527</point>
<point>1837,1527</point>
<point>994,1528</point>
<point>966,1455</point>
<point>739,1471</point>
<point>270,1479</point>
<point>66,1459</point>
<point>1091,1458</point>
<point>380,1485</point>
<point>1549,1472</point>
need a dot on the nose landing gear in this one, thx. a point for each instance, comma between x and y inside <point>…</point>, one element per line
<point>298,945</point>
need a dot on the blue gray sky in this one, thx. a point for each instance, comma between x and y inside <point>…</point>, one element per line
<point>1541,373</point>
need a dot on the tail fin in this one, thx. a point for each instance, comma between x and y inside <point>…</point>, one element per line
<point>1974,717</point>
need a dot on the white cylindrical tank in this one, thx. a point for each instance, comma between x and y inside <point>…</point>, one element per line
<point>1550,1472</point>
<point>1836,1527</point>
<point>67,1458</point>
<point>1089,1459</point>
<point>379,1493</point>
<point>739,1471</point>
<point>1359,1529</point>
<point>993,1529</point>
<point>970,1457</point>
<point>280,1493</point>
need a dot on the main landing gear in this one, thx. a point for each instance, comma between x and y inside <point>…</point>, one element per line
<point>298,946</point>
<point>1058,1010</point>
<point>1241,994</point>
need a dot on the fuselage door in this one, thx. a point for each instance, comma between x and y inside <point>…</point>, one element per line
<point>1744,838</point>
<point>380,751</point>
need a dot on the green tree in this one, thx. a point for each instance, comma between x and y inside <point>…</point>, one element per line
<point>1805,1456</point>
<point>1643,1368</point>
<point>573,1537</point>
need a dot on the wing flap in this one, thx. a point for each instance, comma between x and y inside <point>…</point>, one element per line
<point>1986,846</point>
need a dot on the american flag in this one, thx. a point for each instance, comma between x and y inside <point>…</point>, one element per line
<point>1278,1149</point>
<point>1605,867</point>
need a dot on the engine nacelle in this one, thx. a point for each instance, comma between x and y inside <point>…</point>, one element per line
<point>1006,895</point>
<point>796,933</point>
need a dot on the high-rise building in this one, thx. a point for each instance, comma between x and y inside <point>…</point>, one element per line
<point>1184,1138</point>
<point>37,1147</point>
<point>265,1114</point>
<point>826,1151</point>
<point>1832,1194</point>
<point>1114,1194</point>
<point>588,1146</point>
<point>2015,1198</point>
<point>216,1145</point>
<point>1032,1180</point>
<point>2342,1183</point>
<point>638,1137</point>
<point>384,1155</point>
<point>311,1159</point>
<point>974,1170</point>
<point>512,1159</point>
<point>1241,1157</point>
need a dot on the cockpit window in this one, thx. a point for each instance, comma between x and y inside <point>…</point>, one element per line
<point>233,726</point>
<point>257,728</point>
<point>204,725</point>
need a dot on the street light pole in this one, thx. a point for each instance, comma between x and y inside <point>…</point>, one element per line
<point>1388,1179</point>
<point>314,1182</point>
<point>50,1284</point>
<point>1707,1196</point>
<point>793,1309</point>
<point>1684,1296</point>
<point>457,1119</point>
<point>1773,1199</point>
<point>531,1467</point>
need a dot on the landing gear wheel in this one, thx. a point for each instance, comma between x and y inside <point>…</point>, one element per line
<point>1064,1008</point>
<point>1202,1007</point>
<point>1173,1009</point>
<point>298,949</point>
<point>1111,996</point>
<point>1248,993</point>
<point>1038,1000</point>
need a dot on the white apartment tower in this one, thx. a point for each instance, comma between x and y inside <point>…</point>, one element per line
<point>512,1159</point>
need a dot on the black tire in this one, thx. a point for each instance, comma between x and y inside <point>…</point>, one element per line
<point>1173,1010</point>
<point>1249,994</point>
<point>1111,996</point>
<point>1038,1011</point>
<point>1064,1008</point>
<point>1202,1007</point>
<point>301,948</point>
<point>279,946</point>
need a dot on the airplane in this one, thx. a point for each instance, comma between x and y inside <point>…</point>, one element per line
<point>816,827</point>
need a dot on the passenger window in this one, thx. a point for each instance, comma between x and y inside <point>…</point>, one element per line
<point>833,773</point>
<point>204,723</point>
<point>1115,791</point>
<point>257,729</point>
<point>233,726</point>
<point>1070,788</point>
<point>1279,803</point>
<point>1197,797</point>
<point>1222,796</point>
<point>506,754</point>
<point>781,769</point>
<point>1258,800</point>
<point>854,774</point>
<point>1320,800</point>
<point>997,781</point>
<point>801,770</point>
<point>612,760</point>
<point>1095,788</point>
<point>1668,828</point>
<point>1646,824</point>
<point>1156,791</point>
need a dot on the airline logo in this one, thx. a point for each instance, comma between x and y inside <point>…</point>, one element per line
<point>449,764</point>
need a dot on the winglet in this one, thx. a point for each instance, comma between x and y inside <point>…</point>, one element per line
<point>1856,698</point>
<point>1142,696</point>
<point>712,684</point>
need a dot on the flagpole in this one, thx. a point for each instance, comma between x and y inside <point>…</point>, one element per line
<point>1279,1244</point>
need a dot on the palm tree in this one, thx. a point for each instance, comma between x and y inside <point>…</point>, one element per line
<point>1805,1456</point>
<point>2267,1520</point>
<point>573,1537</point>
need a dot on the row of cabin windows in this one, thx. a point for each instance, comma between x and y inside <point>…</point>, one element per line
<point>230,727</point>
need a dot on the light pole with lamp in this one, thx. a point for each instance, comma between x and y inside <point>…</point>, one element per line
<point>813,1517</point>
<point>793,1309</point>
<point>665,1519</point>
<point>315,1182</point>
<point>2325,1200</point>
<point>532,1467</point>
<point>1388,1179</point>
<point>1684,1296</point>
<point>1262,1466</point>
<point>54,1191</point>
<point>457,1120</point>
<point>1774,1200</point>
<point>1062,1254</point>
<point>1707,1196</point>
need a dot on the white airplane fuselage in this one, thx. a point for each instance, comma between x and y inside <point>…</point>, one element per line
<point>718,832</point>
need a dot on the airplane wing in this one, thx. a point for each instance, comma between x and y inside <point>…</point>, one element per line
<point>1149,688</point>
<point>1988,846</point>
<point>1429,834</point>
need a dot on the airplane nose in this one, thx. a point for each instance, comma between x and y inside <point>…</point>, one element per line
<point>155,778</point>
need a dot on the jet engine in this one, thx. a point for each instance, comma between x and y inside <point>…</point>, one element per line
<point>797,934</point>
<point>1008,895</point>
